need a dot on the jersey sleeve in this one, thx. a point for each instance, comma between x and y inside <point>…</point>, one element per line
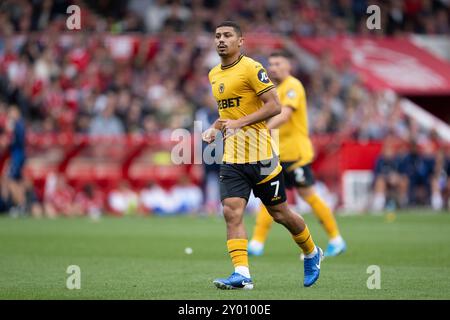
<point>259,79</point>
<point>294,96</point>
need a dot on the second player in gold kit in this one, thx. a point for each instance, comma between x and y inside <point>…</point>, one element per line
<point>294,143</point>
<point>296,155</point>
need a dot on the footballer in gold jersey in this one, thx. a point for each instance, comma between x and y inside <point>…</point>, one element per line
<point>296,155</point>
<point>246,98</point>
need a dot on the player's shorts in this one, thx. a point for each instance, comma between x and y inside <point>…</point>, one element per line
<point>239,179</point>
<point>298,177</point>
<point>15,168</point>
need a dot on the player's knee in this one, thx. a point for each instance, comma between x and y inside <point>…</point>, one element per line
<point>278,215</point>
<point>232,215</point>
<point>280,219</point>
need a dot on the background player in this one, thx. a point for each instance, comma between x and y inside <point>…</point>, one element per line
<point>296,155</point>
<point>15,181</point>
<point>246,98</point>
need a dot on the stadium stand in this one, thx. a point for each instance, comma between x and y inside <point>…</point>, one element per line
<point>100,103</point>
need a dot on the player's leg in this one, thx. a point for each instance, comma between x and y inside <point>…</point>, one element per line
<point>336,244</point>
<point>234,192</point>
<point>233,211</point>
<point>303,179</point>
<point>273,195</point>
<point>264,222</point>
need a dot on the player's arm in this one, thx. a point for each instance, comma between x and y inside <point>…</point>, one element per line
<point>280,119</point>
<point>270,108</point>
<point>294,99</point>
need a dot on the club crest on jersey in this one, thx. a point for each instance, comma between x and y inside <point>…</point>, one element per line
<point>291,94</point>
<point>262,76</point>
<point>221,88</point>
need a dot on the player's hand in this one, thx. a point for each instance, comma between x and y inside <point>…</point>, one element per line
<point>210,135</point>
<point>230,127</point>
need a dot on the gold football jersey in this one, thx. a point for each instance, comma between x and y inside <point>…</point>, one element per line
<point>294,142</point>
<point>236,88</point>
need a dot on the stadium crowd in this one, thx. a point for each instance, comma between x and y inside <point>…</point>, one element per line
<point>74,82</point>
<point>287,17</point>
<point>164,84</point>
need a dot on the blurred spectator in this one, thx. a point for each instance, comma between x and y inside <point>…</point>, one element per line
<point>155,199</point>
<point>183,197</point>
<point>33,206</point>
<point>156,15</point>
<point>396,17</point>
<point>445,181</point>
<point>389,187</point>
<point>106,123</point>
<point>89,201</point>
<point>439,181</point>
<point>123,200</point>
<point>58,197</point>
<point>417,170</point>
<point>187,196</point>
<point>5,203</point>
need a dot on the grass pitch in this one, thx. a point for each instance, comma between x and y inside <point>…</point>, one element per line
<point>144,258</point>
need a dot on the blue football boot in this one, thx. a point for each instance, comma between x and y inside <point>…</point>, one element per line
<point>312,268</point>
<point>334,249</point>
<point>255,248</point>
<point>235,281</point>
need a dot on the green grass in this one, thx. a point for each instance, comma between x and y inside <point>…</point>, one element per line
<point>143,258</point>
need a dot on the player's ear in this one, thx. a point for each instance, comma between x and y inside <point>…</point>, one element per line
<point>241,41</point>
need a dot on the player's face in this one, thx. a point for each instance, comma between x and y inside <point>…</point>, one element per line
<point>279,68</point>
<point>227,41</point>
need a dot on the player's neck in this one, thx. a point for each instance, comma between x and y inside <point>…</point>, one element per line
<point>226,61</point>
<point>282,79</point>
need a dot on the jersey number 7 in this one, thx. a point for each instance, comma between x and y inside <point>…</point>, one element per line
<point>277,187</point>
